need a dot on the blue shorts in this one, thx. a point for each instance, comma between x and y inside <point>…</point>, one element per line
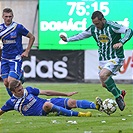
<point>62,102</point>
<point>11,68</point>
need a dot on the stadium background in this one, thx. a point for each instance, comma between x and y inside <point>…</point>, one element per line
<point>50,61</point>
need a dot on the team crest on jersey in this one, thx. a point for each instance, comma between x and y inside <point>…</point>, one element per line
<point>13,34</point>
<point>103,38</point>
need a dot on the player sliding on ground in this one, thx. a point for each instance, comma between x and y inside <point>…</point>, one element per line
<point>27,102</point>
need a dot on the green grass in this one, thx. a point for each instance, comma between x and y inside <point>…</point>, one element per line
<point>119,122</point>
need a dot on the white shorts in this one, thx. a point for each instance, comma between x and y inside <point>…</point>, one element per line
<point>112,65</point>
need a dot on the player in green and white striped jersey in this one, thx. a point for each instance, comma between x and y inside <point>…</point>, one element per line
<point>107,34</point>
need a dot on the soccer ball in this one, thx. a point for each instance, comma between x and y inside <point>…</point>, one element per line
<point>109,106</point>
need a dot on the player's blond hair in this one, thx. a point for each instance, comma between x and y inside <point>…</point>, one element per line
<point>7,10</point>
<point>14,84</point>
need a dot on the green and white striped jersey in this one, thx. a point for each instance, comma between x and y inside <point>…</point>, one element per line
<point>106,38</point>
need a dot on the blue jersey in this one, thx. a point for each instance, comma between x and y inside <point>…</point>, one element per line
<point>29,105</point>
<point>11,37</point>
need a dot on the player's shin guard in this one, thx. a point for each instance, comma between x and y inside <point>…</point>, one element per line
<point>9,92</point>
<point>84,104</point>
<point>111,86</point>
<point>63,111</point>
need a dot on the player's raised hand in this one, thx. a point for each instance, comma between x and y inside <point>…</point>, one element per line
<point>63,38</point>
<point>71,93</point>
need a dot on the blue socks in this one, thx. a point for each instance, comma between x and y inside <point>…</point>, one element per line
<point>111,86</point>
<point>63,111</point>
<point>84,104</point>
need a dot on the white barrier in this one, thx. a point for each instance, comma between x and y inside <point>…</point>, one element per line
<point>91,66</point>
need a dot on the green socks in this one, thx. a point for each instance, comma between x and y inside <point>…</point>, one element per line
<point>111,86</point>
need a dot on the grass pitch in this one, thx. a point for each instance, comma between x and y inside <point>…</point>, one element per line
<point>119,122</point>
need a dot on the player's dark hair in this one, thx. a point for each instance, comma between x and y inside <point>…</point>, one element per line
<point>97,14</point>
<point>14,84</point>
<point>7,10</point>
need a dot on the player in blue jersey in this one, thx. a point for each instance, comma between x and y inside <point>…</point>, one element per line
<point>107,34</point>
<point>12,52</point>
<point>27,102</point>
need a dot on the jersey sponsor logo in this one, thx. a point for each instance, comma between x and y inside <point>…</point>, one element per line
<point>9,41</point>
<point>27,106</point>
<point>103,38</point>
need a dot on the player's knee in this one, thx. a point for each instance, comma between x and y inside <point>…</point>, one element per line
<point>71,103</point>
<point>47,106</point>
<point>103,76</point>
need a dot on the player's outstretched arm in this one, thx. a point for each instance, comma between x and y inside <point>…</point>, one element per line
<point>1,112</point>
<point>56,93</point>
